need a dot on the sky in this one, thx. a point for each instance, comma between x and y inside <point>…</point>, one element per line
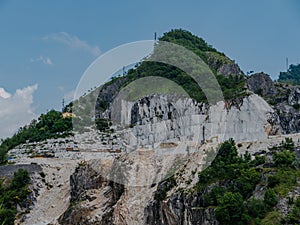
<point>46,46</point>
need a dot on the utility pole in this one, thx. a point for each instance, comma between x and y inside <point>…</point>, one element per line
<point>203,134</point>
<point>287,64</point>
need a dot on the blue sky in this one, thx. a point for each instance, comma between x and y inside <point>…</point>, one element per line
<point>45,46</point>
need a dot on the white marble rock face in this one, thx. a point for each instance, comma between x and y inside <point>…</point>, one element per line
<point>162,119</point>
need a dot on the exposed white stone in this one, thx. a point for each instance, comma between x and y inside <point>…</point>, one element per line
<point>163,119</point>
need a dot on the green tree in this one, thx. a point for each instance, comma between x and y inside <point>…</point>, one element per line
<point>247,181</point>
<point>292,76</point>
<point>231,209</point>
<point>227,153</point>
<point>284,158</point>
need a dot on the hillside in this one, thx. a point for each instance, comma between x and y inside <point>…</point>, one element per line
<point>292,76</point>
<point>234,190</point>
<point>160,158</point>
<point>228,74</point>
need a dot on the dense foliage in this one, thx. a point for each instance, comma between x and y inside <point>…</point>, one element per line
<point>49,125</point>
<point>292,76</point>
<point>232,86</point>
<point>234,178</point>
<point>13,194</point>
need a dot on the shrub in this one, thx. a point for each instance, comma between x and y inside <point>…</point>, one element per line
<point>284,158</point>
<point>102,124</point>
<point>273,181</point>
<point>21,179</point>
<point>270,198</point>
<point>256,208</point>
<point>7,216</point>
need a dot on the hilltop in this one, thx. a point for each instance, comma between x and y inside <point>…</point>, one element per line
<point>162,158</point>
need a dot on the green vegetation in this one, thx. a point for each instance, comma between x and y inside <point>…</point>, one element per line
<point>50,125</point>
<point>102,124</point>
<point>232,86</point>
<point>232,180</point>
<point>164,78</point>
<point>292,76</point>
<point>12,194</point>
<point>293,217</point>
<point>231,209</point>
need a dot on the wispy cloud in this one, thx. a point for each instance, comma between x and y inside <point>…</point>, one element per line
<point>4,94</point>
<point>16,109</point>
<point>73,42</point>
<point>42,59</point>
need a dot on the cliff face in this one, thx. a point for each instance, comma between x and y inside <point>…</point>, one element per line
<point>261,83</point>
<point>165,137</point>
<point>180,209</point>
<point>283,98</point>
<point>162,119</point>
<point>93,196</point>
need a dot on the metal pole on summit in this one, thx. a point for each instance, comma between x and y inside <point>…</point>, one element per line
<point>203,134</point>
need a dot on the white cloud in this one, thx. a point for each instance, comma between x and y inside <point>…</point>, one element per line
<point>73,42</point>
<point>16,110</point>
<point>43,59</point>
<point>4,94</point>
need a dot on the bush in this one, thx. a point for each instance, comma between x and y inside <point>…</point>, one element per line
<point>13,194</point>
<point>102,124</point>
<point>273,181</point>
<point>256,208</point>
<point>284,158</point>
<point>7,217</point>
<point>270,198</point>
<point>259,160</point>
<point>21,179</point>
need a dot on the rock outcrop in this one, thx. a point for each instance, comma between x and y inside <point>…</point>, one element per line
<point>158,119</point>
<point>262,84</point>
<point>181,209</point>
<point>284,99</point>
<point>93,196</point>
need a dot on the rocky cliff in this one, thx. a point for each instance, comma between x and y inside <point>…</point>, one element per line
<point>283,98</point>
<point>159,118</point>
